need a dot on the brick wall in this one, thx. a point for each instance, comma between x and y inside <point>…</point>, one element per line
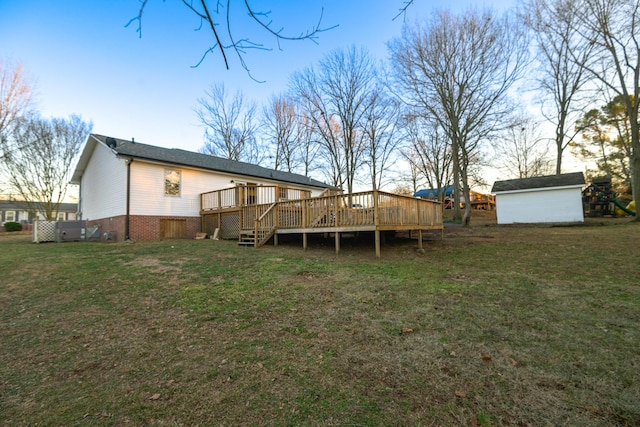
<point>142,227</point>
<point>114,225</point>
<point>148,227</point>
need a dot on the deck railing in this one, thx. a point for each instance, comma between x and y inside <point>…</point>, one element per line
<point>244,195</point>
<point>372,209</point>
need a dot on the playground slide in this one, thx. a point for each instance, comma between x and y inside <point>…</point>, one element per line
<point>627,209</point>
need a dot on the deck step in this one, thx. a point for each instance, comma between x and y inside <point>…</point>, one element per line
<point>247,238</point>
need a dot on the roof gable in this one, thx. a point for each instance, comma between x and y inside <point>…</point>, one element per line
<point>180,157</point>
<point>550,181</point>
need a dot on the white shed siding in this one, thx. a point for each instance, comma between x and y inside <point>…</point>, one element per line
<point>540,205</point>
<point>103,185</point>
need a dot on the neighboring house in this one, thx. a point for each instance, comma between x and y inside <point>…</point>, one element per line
<point>550,199</point>
<point>24,213</point>
<point>143,192</point>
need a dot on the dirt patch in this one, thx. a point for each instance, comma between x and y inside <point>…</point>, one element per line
<point>154,263</point>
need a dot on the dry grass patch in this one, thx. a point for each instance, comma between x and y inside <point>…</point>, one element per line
<point>492,326</point>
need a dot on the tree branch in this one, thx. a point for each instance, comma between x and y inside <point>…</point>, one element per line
<point>239,45</point>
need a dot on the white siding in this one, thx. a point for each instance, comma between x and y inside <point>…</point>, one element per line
<point>540,206</point>
<point>103,187</point>
<point>147,190</point>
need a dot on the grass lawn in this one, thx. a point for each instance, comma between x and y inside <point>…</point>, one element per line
<point>494,325</point>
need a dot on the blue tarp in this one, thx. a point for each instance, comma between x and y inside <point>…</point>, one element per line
<point>432,193</point>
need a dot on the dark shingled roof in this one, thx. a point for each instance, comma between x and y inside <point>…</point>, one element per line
<point>26,206</point>
<point>204,161</point>
<point>562,180</point>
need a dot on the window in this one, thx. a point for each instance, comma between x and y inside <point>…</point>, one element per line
<point>10,216</point>
<point>283,193</point>
<point>61,216</point>
<point>172,178</point>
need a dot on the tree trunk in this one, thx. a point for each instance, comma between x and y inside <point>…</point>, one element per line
<point>634,164</point>
<point>457,216</point>
<point>466,218</point>
<point>559,158</point>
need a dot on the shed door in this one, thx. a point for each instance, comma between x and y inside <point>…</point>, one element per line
<point>173,228</point>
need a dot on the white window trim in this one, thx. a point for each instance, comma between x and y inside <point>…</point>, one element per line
<point>6,215</point>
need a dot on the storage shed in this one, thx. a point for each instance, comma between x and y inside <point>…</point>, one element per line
<point>543,199</point>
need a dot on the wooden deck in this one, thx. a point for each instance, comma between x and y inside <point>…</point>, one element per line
<point>261,214</point>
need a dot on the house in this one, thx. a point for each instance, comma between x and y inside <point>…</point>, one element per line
<point>544,199</point>
<point>25,213</point>
<point>144,192</point>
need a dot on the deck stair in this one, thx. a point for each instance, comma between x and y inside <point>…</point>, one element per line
<point>247,238</point>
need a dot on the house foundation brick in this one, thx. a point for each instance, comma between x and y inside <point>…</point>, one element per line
<point>143,227</point>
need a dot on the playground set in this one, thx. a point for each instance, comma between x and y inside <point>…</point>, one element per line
<point>599,199</point>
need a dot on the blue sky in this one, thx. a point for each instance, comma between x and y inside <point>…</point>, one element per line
<point>84,61</point>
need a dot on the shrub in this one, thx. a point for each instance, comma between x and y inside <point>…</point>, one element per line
<point>12,226</point>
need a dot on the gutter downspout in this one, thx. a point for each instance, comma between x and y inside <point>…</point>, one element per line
<point>126,220</point>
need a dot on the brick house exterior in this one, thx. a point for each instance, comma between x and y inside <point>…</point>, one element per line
<point>143,192</point>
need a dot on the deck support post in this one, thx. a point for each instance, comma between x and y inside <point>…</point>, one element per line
<point>377,237</point>
<point>275,239</point>
<point>304,241</point>
<point>337,243</point>
<point>419,239</point>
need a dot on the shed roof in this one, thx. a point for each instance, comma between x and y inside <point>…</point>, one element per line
<point>549,181</point>
<point>181,157</point>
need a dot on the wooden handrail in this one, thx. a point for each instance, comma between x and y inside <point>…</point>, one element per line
<point>273,205</point>
<point>259,237</point>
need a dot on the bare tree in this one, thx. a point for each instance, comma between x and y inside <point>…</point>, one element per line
<point>338,94</point>
<point>381,130</point>
<point>430,153</point>
<point>15,102</point>
<point>414,178</point>
<point>39,171</point>
<point>458,69</point>
<point>229,125</point>
<point>280,126</point>
<point>613,27</point>
<point>523,153</point>
<point>218,19</point>
<point>330,152</point>
<point>307,144</point>
<point>561,55</point>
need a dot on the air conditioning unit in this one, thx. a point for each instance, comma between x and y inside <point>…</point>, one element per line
<point>70,231</point>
